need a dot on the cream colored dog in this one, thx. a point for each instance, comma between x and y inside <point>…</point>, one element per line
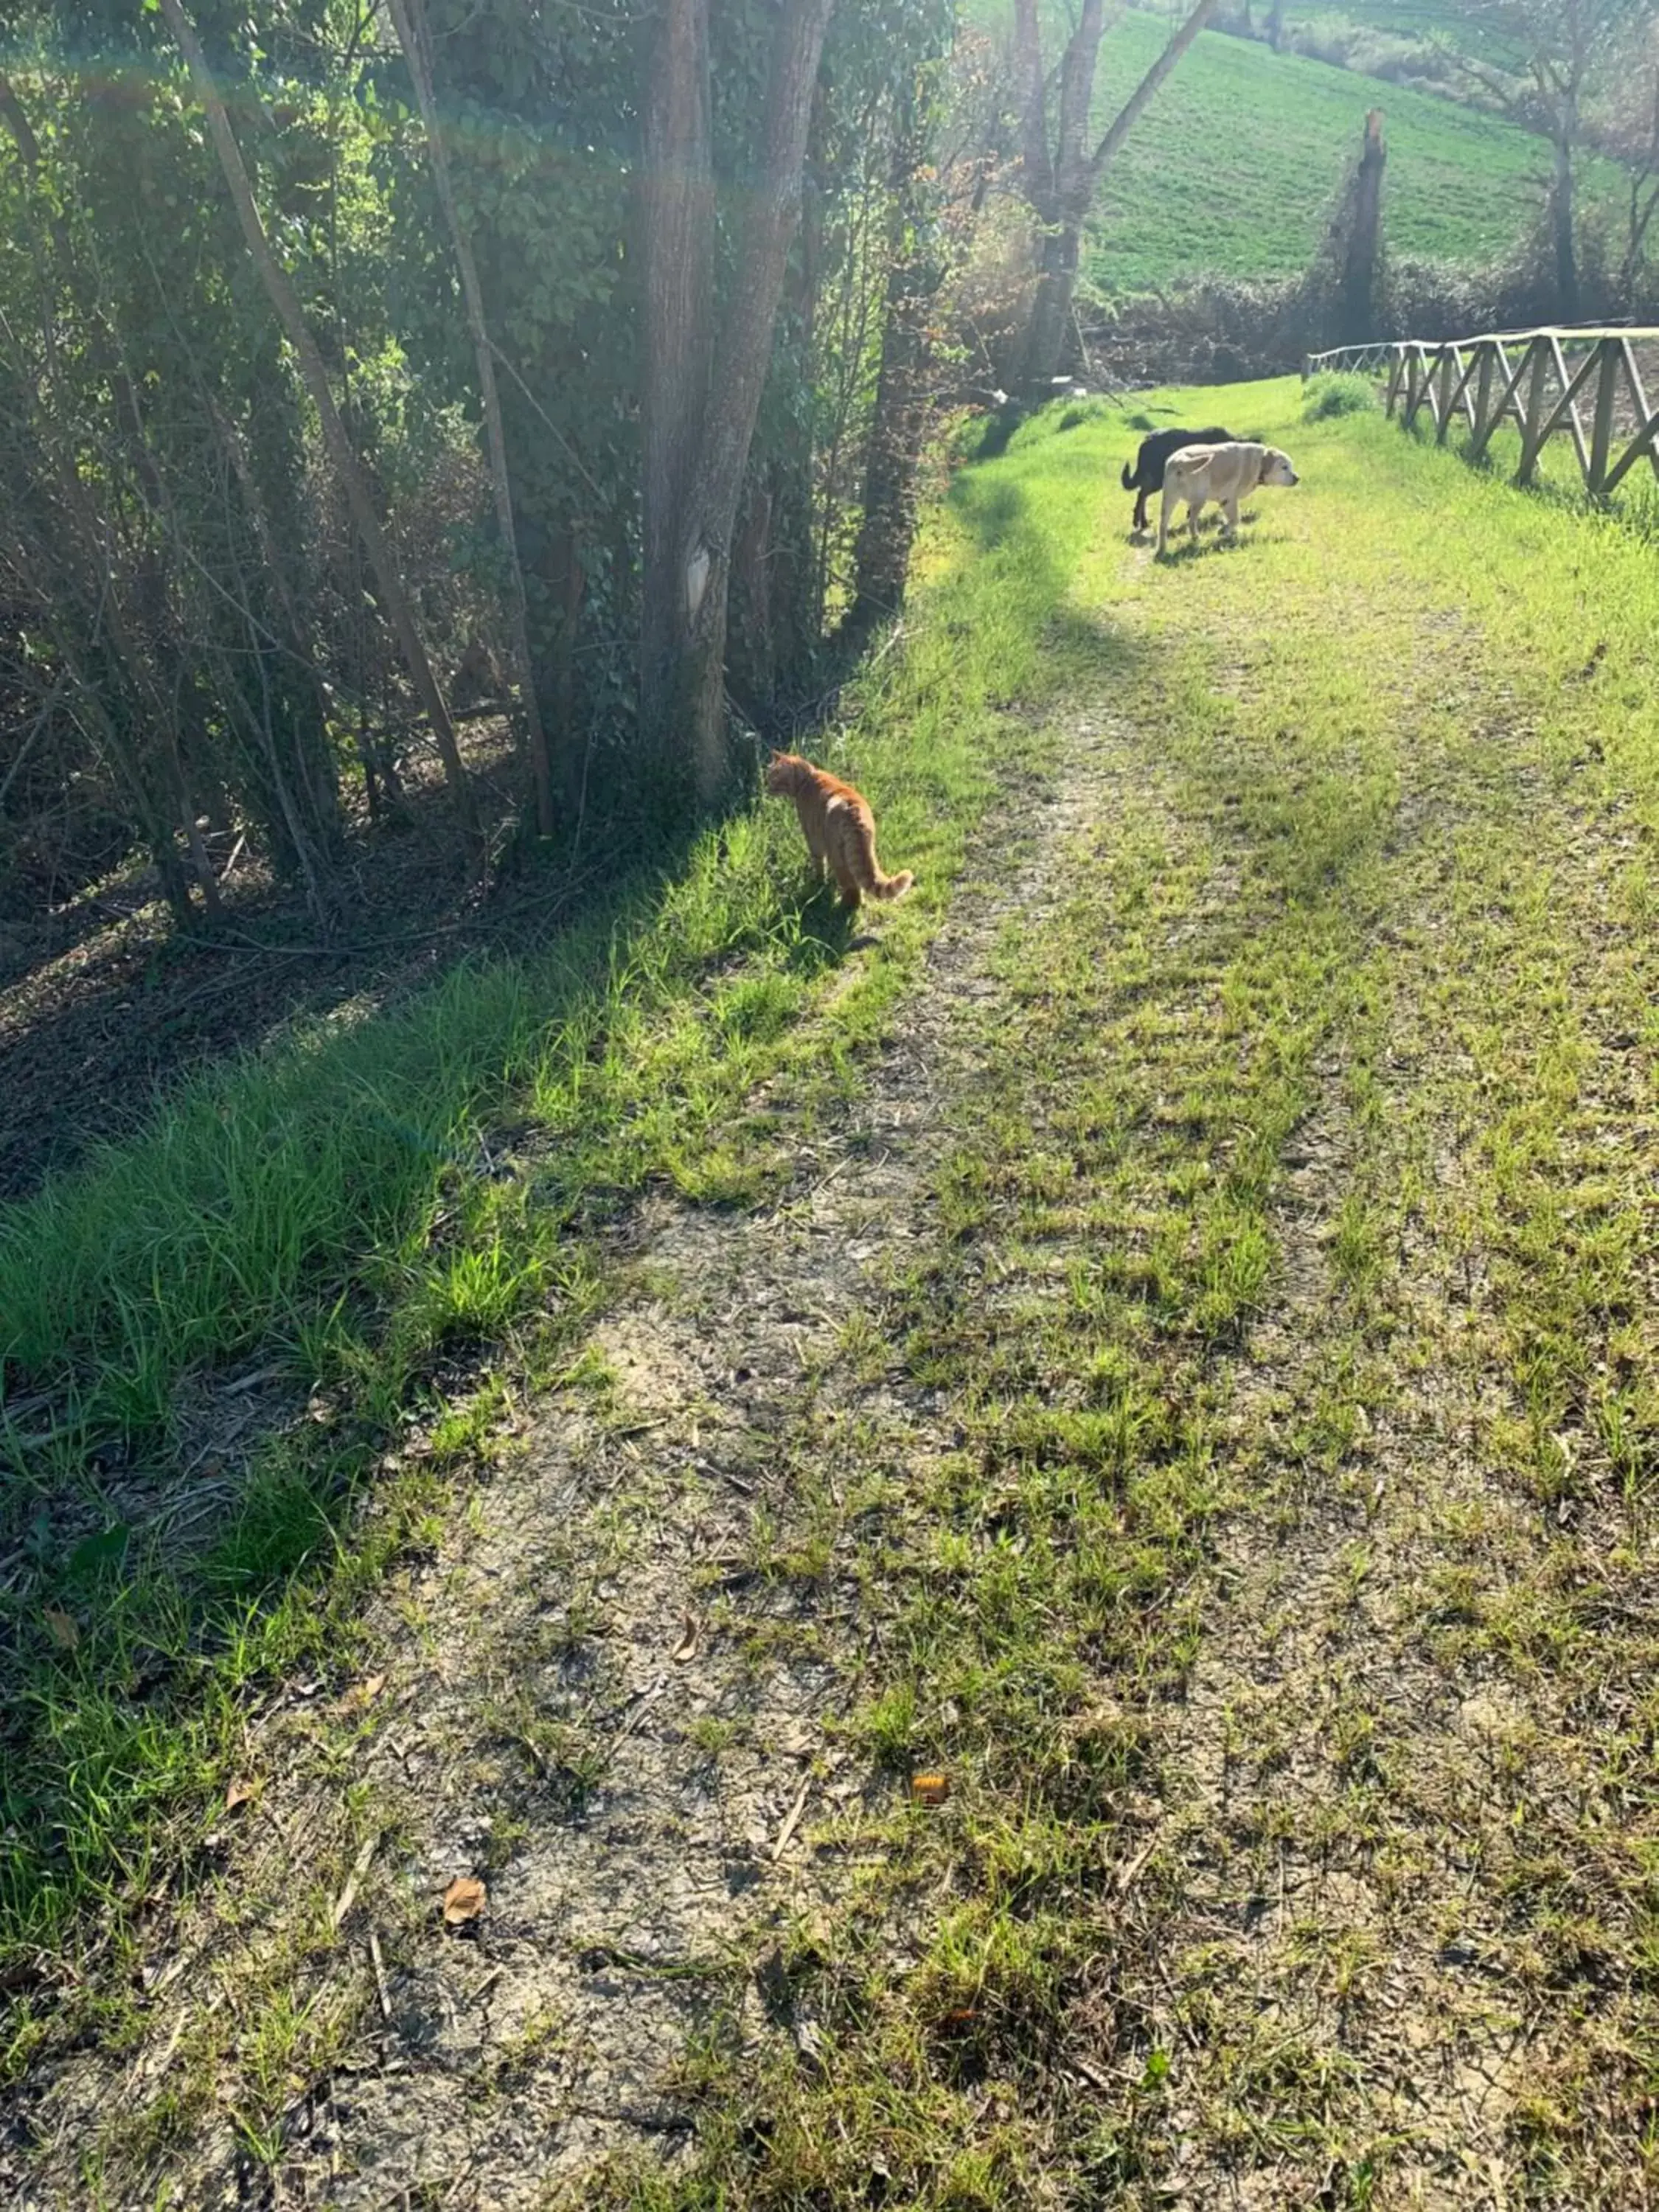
<point>1226,473</point>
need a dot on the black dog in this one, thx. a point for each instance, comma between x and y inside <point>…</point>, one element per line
<point>1153,458</point>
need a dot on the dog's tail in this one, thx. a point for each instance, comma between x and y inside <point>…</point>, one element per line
<point>1128,481</point>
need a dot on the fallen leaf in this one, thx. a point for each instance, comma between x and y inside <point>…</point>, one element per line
<point>64,1629</point>
<point>363,1694</point>
<point>930,1788</point>
<point>238,1794</point>
<point>687,1647</point>
<point>464,1900</point>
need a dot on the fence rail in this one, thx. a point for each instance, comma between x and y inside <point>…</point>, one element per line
<point>1533,378</point>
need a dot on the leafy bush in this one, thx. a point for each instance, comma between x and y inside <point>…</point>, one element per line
<point>1338,394</point>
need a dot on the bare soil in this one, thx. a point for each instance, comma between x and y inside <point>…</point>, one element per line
<point>105,1002</point>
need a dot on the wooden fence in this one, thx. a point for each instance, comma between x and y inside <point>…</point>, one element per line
<point>1537,379</point>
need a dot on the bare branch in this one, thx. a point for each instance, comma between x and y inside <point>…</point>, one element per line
<point>285,302</point>
<point>1129,114</point>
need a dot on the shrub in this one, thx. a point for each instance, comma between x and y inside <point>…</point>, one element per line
<point>1345,394</point>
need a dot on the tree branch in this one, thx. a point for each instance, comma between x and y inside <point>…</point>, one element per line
<point>408,21</point>
<point>1039,179</point>
<point>1129,114</point>
<point>284,301</point>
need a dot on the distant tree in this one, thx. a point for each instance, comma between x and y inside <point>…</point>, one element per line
<point>1629,129</point>
<point>1059,174</point>
<point>1537,60</point>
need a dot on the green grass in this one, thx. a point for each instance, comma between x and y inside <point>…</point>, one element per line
<point>1235,165</point>
<point>1371,865</point>
<point>328,1212</point>
<point>1377,853</point>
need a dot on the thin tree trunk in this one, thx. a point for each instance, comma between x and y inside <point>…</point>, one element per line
<point>157,830</point>
<point>285,302</point>
<point>751,649</point>
<point>683,686</point>
<point>1129,114</point>
<point>791,569</point>
<point>676,224</point>
<point>60,442</point>
<point>1561,226</point>
<point>881,557</point>
<point>1072,179</point>
<point>1364,238</point>
<point>409,19</point>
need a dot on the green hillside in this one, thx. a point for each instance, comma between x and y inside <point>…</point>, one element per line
<point>1233,169</point>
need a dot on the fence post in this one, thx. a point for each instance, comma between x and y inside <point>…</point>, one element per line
<point>1442,409</point>
<point>1396,358</point>
<point>1607,388</point>
<point>1531,443</point>
<point>1483,399</point>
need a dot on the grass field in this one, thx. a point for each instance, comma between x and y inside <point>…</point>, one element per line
<point>1030,1578</point>
<point>1235,168</point>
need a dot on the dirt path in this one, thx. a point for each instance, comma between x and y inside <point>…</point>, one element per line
<point>599,1700</point>
<point>1145,1409</point>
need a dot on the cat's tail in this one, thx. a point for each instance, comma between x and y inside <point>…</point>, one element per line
<point>889,887</point>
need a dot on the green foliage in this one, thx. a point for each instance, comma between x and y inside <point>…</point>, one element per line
<point>1332,394</point>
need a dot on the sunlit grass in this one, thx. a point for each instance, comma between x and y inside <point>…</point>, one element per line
<point>1371,852</point>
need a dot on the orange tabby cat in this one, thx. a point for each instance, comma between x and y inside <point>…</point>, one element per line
<point>840,830</point>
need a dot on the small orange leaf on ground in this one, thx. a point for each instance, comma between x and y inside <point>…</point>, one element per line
<point>464,1900</point>
<point>930,1788</point>
<point>64,1629</point>
<point>687,1647</point>
<point>238,1794</point>
<point>366,1692</point>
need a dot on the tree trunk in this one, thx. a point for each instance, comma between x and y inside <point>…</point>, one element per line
<point>1364,238</point>
<point>881,559</point>
<point>676,224</point>
<point>695,458</point>
<point>285,303</point>
<point>1075,179</point>
<point>752,651</point>
<point>1049,327</point>
<point>1561,228</point>
<point>792,595</point>
<point>408,21</point>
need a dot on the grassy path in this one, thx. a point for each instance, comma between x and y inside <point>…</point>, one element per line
<point>1194,1392</point>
